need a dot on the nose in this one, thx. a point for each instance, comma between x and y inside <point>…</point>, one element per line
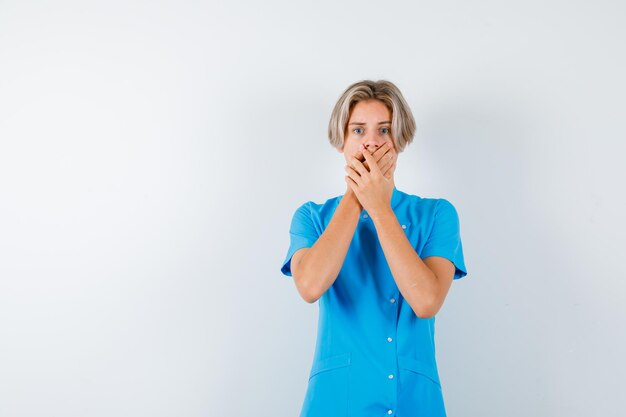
<point>374,139</point>
<point>373,144</point>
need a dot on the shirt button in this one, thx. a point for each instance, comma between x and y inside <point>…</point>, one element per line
<point>404,226</point>
<point>389,411</point>
<point>390,376</point>
<point>389,339</point>
<point>365,216</point>
<point>393,300</point>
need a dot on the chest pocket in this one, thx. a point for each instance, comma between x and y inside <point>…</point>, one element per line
<point>327,392</point>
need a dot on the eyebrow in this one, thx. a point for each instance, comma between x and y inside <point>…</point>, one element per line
<point>359,123</point>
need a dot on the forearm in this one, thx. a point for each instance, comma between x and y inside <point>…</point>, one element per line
<point>415,280</point>
<point>322,263</point>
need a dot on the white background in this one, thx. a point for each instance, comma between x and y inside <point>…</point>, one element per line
<point>153,152</point>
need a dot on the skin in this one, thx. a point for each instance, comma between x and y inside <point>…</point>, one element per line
<point>369,129</point>
<point>371,159</point>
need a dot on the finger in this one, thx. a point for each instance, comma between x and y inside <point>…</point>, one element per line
<point>389,173</point>
<point>379,153</point>
<point>372,163</point>
<point>385,162</point>
<point>389,163</point>
<point>392,170</point>
<point>351,183</point>
<point>353,174</point>
<point>382,154</point>
<point>382,151</point>
<point>357,166</point>
<point>361,158</point>
<point>392,155</point>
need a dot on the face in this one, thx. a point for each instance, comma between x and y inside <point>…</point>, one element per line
<point>369,124</point>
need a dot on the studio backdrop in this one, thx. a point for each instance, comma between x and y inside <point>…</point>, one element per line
<point>152,155</point>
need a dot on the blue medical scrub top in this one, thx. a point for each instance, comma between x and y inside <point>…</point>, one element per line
<point>374,356</point>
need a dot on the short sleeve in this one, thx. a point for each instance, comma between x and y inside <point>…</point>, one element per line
<point>302,233</point>
<point>445,237</point>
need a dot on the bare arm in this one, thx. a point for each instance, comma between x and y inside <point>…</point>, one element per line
<point>424,283</point>
<point>315,269</point>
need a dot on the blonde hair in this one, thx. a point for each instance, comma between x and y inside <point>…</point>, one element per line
<point>402,121</point>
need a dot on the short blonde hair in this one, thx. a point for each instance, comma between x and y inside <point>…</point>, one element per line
<point>402,121</point>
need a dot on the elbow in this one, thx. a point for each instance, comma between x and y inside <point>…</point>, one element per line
<point>427,306</point>
<point>306,291</point>
<point>426,310</point>
<point>424,314</point>
<point>308,294</point>
<point>310,298</point>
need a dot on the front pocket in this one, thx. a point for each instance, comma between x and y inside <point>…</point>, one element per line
<point>419,367</point>
<point>327,391</point>
<point>419,389</point>
<point>330,363</point>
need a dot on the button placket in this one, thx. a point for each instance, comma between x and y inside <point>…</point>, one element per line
<point>390,339</point>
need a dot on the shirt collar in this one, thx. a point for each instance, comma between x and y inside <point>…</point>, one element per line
<point>395,197</point>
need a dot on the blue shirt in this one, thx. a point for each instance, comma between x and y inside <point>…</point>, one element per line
<point>374,356</point>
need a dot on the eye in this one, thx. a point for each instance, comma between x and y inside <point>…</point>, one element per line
<point>384,130</point>
<point>355,129</point>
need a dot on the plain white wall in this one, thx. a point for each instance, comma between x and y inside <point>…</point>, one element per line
<point>153,152</point>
